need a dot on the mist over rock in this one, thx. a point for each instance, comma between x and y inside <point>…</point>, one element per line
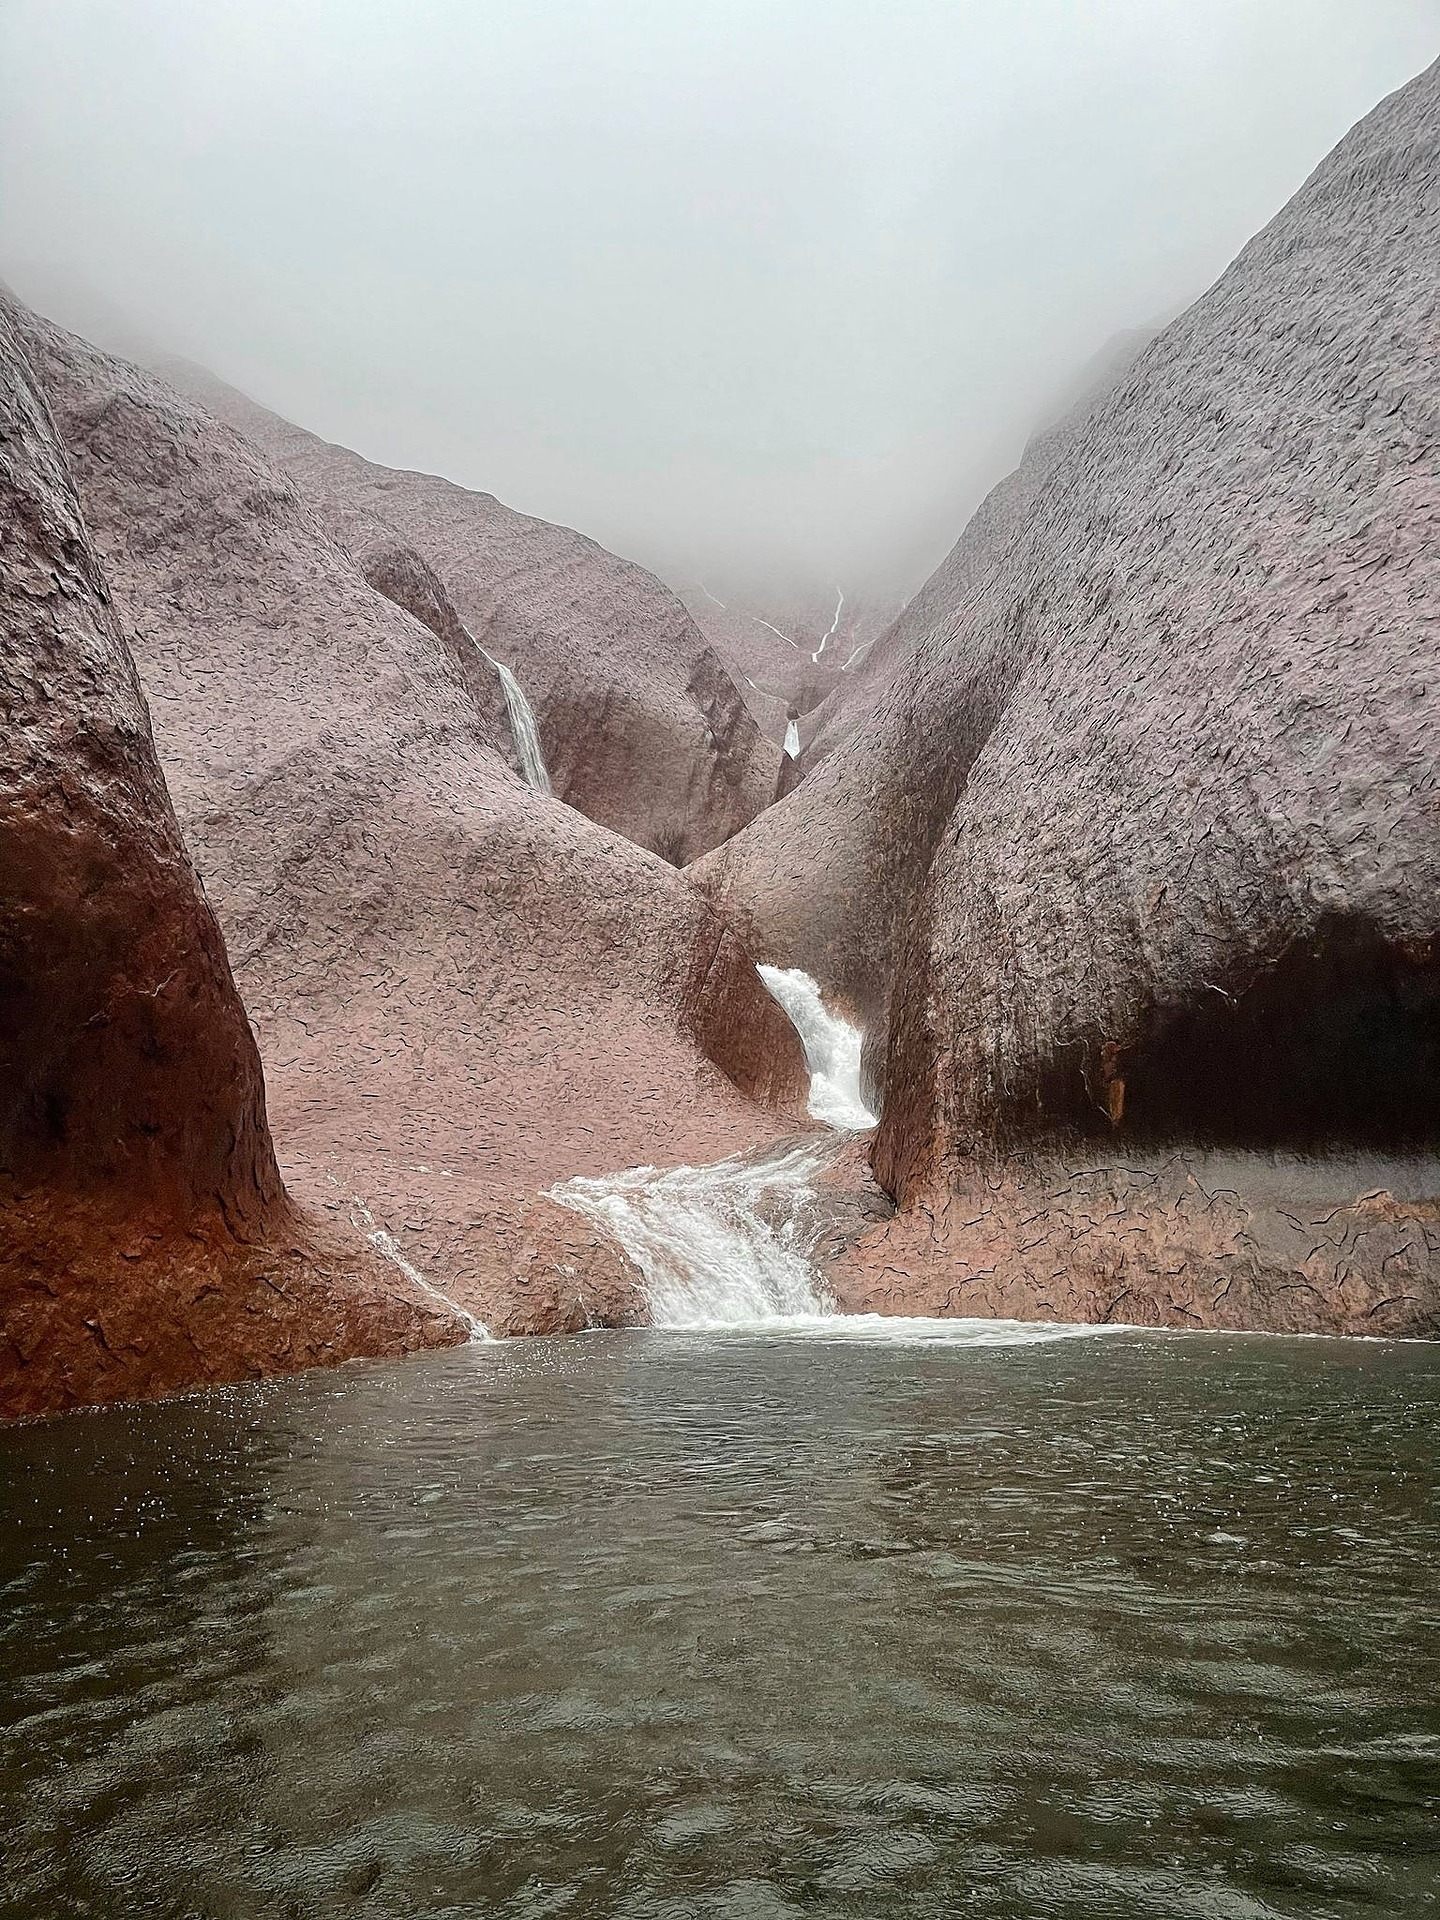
<point>146,1241</point>
<point>1138,856</point>
<point>463,989</point>
<point>607,656</point>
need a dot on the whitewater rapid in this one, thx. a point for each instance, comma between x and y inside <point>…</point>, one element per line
<point>729,1245</point>
<point>719,1246</point>
<point>832,1050</point>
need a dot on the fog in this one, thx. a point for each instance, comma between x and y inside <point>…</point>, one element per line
<point>761,292</point>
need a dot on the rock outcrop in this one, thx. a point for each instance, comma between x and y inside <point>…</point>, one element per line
<point>606,654</point>
<point>464,990</point>
<point>146,1241</point>
<point>1140,855</point>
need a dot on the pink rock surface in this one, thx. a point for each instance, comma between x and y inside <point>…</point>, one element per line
<point>463,990</point>
<point>1140,852</point>
<point>146,1241</point>
<point>608,657</point>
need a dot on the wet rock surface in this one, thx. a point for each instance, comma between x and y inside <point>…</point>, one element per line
<point>1141,847</point>
<point>608,657</point>
<point>463,990</point>
<point>146,1241</point>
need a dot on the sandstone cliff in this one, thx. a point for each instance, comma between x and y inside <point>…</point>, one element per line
<point>146,1241</point>
<point>463,989</point>
<point>606,654</point>
<point>1141,853</point>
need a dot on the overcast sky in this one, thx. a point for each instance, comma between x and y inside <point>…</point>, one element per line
<point>735,285</point>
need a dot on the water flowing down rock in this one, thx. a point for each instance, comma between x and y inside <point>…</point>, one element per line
<point>606,654</point>
<point>723,1245</point>
<point>832,1049</point>
<point>1134,875</point>
<point>146,1241</point>
<point>463,990</point>
<point>743,1242</point>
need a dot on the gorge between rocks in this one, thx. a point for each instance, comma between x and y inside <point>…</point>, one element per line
<point>670,1253</point>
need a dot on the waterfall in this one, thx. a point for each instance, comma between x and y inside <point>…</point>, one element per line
<point>792,739</point>
<point>832,1049</point>
<point>839,604</point>
<point>730,1244</point>
<point>723,1245</point>
<point>523,729</point>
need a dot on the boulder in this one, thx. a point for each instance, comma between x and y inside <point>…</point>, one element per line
<point>146,1240</point>
<point>464,990</point>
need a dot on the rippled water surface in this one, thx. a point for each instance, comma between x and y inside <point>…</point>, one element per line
<point>649,1625</point>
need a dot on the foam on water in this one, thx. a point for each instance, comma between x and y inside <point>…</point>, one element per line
<point>832,1049</point>
<point>720,1246</point>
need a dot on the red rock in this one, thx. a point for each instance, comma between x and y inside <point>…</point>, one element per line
<point>1139,854</point>
<point>146,1241</point>
<point>464,990</point>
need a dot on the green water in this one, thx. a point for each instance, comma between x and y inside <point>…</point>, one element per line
<point>669,1625</point>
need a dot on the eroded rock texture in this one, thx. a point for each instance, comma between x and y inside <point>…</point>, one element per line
<point>1141,851</point>
<point>146,1242</point>
<point>608,657</point>
<point>463,990</point>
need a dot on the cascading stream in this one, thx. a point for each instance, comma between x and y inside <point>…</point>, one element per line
<point>729,1245</point>
<point>524,728</point>
<point>724,1245</point>
<point>832,1050</point>
<point>792,745</point>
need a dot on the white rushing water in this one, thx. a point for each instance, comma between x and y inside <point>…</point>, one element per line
<point>719,1246</point>
<point>792,739</point>
<point>839,604</point>
<point>832,1049</point>
<point>523,728</point>
<point>729,1245</point>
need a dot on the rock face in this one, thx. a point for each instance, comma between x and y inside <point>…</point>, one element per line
<point>146,1241</point>
<point>772,655</point>
<point>1141,853</point>
<point>463,990</point>
<point>607,656</point>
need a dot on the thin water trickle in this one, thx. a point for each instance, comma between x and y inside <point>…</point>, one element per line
<point>524,729</point>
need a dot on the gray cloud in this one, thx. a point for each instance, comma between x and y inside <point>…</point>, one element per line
<point>745,288</point>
